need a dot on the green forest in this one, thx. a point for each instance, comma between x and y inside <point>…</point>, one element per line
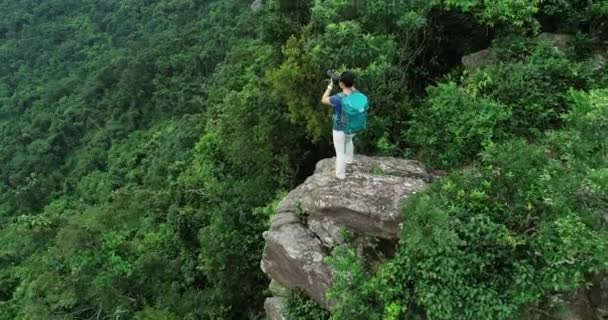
<point>145,143</point>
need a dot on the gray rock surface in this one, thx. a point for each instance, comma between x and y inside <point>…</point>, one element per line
<point>274,308</point>
<point>598,296</point>
<point>293,257</point>
<point>368,202</point>
<point>485,57</point>
<point>583,304</point>
<point>387,166</point>
<point>477,59</point>
<point>308,221</point>
<point>256,5</point>
<point>599,60</point>
<point>558,41</point>
<point>277,289</point>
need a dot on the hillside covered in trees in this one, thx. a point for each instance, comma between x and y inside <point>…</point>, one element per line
<point>144,144</point>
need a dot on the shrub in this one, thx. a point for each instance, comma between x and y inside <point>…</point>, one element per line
<point>535,87</point>
<point>352,292</point>
<point>300,307</point>
<point>527,221</point>
<point>488,241</point>
<point>452,126</point>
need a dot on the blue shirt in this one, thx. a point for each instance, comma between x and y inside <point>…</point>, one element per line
<point>336,102</point>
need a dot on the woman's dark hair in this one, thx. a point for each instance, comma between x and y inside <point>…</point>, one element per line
<point>348,78</point>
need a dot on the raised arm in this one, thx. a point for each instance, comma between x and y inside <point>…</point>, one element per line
<point>325,98</point>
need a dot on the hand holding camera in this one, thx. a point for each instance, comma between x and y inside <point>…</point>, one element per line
<point>334,77</point>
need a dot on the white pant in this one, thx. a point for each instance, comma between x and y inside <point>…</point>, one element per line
<point>344,152</point>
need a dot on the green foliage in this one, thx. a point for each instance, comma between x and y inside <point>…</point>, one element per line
<point>571,15</point>
<point>519,13</point>
<point>300,307</point>
<point>452,125</point>
<point>590,116</point>
<point>301,214</point>
<point>524,95</point>
<point>152,314</point>
<point>108,208</point>
<point>385,147</point>
<point>490,240</point>
<point>284,18</point>
<point>583,145</point>
<point>144,144</point>
<point>295,76</point>
<point>351,292</point>
<point>515,13</point>
<point>535,88</point>
<point>388,58</point>
<point>379,171</point>
<point>297,80</point>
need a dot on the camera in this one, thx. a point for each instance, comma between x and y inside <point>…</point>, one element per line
<point>335,78</point>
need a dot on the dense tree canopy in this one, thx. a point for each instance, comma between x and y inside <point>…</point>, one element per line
<point>144,143</point>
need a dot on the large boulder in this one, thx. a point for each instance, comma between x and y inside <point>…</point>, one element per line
<point>367,203</point>
<point>308,222</point>
<point>583,304</point>
<point>485,57</point>
<point>275,308</point>
<point>293,257</point>
<point>598,296</point>
<point>477,59</point>
<point>277,289</point>
<point>256,5</point>
<point>600,59</point>
<point>558,41</point>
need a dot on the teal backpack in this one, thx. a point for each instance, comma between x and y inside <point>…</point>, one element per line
<point>354,112</point>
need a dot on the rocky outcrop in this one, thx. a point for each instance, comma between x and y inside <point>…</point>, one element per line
<point>560,42</point>
<point>274,308</point>
<point>308,222</point>
<point>367,203</point>
<point>598,297</point>
<point>256,5</point>
<point>584,304</point>
<point>293,257</point>
<point>600,59</point>
<point>485,57</point>
<point>477,59</point>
